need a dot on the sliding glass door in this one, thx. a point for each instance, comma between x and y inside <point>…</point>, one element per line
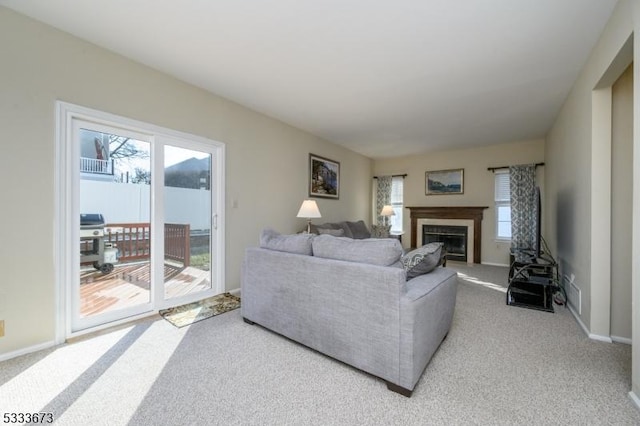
<point>113,221</point>
<point>189,227</point>
<point>143,214</point>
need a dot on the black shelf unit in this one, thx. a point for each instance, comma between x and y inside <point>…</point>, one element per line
<point>533,280</point>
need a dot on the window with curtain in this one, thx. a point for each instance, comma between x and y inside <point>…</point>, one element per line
<point>397,200</point>
<point>503,205</point>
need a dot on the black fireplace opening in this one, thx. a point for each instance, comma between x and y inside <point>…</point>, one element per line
<point>453,237</point>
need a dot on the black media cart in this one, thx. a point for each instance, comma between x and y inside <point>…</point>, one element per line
<point>533,280</point>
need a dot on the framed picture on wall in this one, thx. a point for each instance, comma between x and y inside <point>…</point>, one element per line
<point>324,177</point>
<point>441,182</point>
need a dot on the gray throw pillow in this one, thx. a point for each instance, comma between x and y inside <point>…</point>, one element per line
<point>380,231</point>
<point>315,229</point>
<point>332,232</point>
<point>359,230</point>
<point>346,229</point>
<point>422,260</point>
<point>296,243</point>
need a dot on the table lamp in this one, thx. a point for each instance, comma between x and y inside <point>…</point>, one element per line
<point>386,212</point>
<point>309,209</point>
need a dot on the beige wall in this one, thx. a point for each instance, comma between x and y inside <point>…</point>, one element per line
<point>577,199</point>
<point>578,175</point>
<point>266,167</point>
<point>478,184</point>
<point>621,204</point>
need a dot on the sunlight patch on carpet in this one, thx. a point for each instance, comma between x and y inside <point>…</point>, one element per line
<point>184,315</point>
<point>487,284</point>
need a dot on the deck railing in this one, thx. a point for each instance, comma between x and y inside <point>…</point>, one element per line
<point>133,241</point>
<point>177,242</point>
<point>96,166</point>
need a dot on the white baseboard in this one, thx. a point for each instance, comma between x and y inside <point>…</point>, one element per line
<point>624,340</point>
<point>592,336</point>
<point>633,397</point>
<point>578,320</point>
<point>25,351</point>
<point>235,291</point>
<point>600,338</point>
<point>494,264</point>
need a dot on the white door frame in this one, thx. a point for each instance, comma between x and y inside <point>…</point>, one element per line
<point>66,188</point>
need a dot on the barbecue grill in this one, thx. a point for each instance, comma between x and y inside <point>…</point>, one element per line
<point>93,249</point>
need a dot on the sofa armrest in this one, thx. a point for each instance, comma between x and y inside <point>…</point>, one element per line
<point>426,314</point>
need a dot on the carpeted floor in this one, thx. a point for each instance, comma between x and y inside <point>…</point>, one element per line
<point>500,365</point>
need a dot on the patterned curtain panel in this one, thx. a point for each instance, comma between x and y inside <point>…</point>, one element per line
<point>383,195</point>
<point>523,207</point>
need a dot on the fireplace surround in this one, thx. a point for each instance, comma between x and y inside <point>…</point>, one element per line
<point>472,214</point>
<point>454,239</point>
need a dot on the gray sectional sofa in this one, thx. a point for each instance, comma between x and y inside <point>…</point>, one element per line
<point>350,299</point>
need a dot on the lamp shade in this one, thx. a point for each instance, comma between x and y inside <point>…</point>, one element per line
<point>309,209</point>
<point>387,211</point>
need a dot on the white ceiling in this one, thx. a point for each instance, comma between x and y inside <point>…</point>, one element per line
<point>383,78</point>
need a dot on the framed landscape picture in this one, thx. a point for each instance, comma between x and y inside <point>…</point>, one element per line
<point>444,182</point>
<point>324,177</point>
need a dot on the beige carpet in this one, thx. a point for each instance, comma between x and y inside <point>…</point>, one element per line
<point>500,365</point>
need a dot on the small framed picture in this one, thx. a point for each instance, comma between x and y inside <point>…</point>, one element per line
<point>324,177</point>
<point>441,182</point>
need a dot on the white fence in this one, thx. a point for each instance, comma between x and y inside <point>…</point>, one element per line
<point>131,203</point>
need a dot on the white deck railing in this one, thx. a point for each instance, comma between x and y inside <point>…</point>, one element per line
<point>93,165</point>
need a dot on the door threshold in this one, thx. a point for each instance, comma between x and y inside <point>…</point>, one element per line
<point>111,326</point>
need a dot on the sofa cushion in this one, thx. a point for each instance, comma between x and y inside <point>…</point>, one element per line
<point>422,260</point>
<point>382,252</point>
<point>296,243</point>
<point>333,232</point>
<point>359,230</point>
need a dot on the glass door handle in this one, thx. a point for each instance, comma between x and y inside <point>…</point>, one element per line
<point>215,221</point>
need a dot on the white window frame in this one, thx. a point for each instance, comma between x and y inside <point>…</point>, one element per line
<point>397,202</point>
<point>502,199</point>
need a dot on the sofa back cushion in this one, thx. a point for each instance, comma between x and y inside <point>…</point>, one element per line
<point>295,243</point>
<point>382,252</point>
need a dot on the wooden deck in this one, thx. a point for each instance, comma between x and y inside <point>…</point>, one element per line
<point>128,285</point>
